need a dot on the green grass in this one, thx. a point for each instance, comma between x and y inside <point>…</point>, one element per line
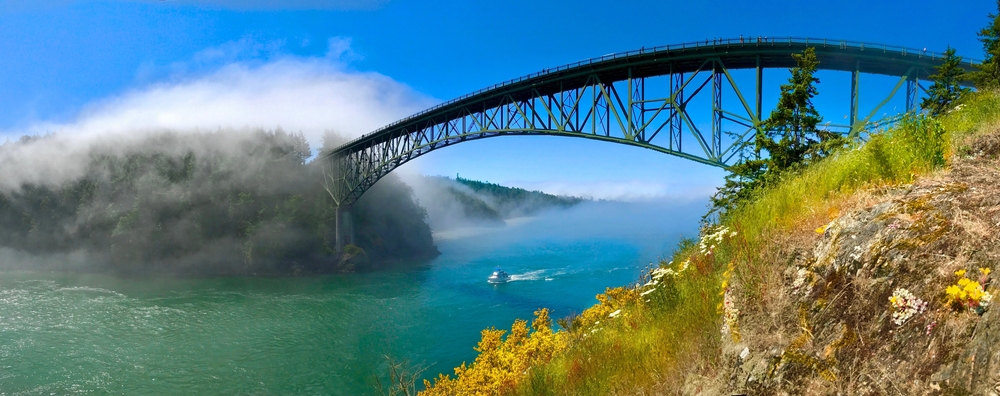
<point>676,333</point>
<point>978,112</point>
<point>638,348</point>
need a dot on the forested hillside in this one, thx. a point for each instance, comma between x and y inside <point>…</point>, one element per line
<point>225,202</point>
<point>462,202</point>
<point>513,201</point>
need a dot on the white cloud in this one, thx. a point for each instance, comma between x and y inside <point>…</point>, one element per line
<point>295,93</point>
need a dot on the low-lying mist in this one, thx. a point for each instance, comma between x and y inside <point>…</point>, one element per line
<point>459,203</point>
<point>223,202</point>
<point>653,224</point>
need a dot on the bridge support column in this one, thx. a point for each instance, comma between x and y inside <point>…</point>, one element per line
<point>716,143</point>
<point>760,93</point>
<point>344,228</point>
<point>677,92</point>
<point>911,93</point>
<point>854,95</point>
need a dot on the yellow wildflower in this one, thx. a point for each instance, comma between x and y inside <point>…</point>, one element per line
<point>985,271</point>
<point>960,272</point>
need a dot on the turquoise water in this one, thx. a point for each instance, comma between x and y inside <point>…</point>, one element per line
<point>72,333</point>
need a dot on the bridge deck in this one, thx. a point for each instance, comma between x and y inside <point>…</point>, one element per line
<point>681,58</point>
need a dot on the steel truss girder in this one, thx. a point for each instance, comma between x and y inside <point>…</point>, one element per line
<point>626,110</point>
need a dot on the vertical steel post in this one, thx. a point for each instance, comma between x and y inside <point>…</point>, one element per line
<point>911,93</point>
<point>760,90</point>
<point>593,106</point>
<point>602,109</point>
<point>676,124</point>
<point>638,107</point>
<point>551,109</point>
<point>716,143</point>
<point>854,95</point>
<point>629,121</point>
<point>344,231</point>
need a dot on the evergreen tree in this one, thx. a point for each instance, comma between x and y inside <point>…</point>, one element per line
<point>945,90</point>
<point>790,133</point>
<point>988,74</point>
<point>788,138</point>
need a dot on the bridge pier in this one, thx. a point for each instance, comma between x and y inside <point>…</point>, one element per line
<point>344,228</point>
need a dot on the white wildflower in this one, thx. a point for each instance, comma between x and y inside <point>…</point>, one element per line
<point>616,313</point>
<point>661,272</point>
<point>984,301</point>
<point>730,313</point>
<point>710,241</point>
<point>905,305</point>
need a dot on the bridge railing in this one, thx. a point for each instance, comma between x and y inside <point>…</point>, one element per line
<point>759,41</point>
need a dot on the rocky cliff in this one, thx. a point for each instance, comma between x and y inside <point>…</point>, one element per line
<point>893,296</point>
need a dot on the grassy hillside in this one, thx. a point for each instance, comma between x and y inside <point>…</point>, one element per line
<point>734,298</point>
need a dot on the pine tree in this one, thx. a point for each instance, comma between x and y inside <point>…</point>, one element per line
<point>988,74</point>
<point>793,122</point>
<point>788,138</point>
<point>945,90</point>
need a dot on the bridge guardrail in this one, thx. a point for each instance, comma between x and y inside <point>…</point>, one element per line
<point>759,41</point>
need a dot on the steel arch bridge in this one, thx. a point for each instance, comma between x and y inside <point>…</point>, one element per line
<point>609,98</point>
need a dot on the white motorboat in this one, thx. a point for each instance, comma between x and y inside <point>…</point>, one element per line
<point>498,276</point>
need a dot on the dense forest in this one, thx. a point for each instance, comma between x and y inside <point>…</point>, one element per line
<point>224,202</point>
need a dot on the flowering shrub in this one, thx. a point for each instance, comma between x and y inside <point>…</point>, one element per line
<point>712,240</point>
<point>904,305</point>
<point>613,299</point>
<point>502,362</point>
<point>966,293</point>
<point>657,274</point>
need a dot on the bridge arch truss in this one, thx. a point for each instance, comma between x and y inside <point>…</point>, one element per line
<point>642,98</point>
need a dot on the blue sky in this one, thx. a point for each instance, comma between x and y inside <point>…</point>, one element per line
<point>85,67</point>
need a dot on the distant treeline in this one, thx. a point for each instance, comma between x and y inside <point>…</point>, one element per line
<point>456,203</point>
<point>225,202</point>
<point>513,201</point>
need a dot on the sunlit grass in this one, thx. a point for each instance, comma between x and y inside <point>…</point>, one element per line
<point>654,337</point>
<point>661,333</point>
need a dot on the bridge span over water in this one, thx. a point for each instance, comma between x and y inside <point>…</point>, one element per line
<point>640,98</point>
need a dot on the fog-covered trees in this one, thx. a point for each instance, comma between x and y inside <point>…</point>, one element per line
<point>226,202</point>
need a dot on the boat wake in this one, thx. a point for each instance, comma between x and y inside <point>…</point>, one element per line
<point>528,276</point>
<point>88,289</point>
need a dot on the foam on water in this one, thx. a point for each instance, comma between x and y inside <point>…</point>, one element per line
<point>90,289</point>
<point>530,275</point>
<point>312,335</point>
